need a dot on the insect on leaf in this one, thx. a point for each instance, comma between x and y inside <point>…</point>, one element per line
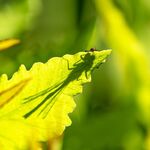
<point>47,98</point>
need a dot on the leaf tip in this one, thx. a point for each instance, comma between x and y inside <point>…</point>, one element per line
<point>22,68</point>
<point>3,78</point>
<point>107,51</point>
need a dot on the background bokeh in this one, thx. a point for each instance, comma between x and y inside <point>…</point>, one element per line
<point>113,113</point>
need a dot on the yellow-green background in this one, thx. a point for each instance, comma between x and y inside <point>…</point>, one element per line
<point>113,113</point>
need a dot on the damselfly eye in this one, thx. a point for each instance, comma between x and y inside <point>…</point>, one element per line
<point>93,49</point>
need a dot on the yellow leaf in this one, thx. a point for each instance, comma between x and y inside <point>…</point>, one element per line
<point>47,99</point>
<point>11,92</point>
<point>7,43</point>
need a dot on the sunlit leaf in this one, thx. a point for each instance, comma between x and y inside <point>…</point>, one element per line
<point>47,97</point>
<point>10,93</point>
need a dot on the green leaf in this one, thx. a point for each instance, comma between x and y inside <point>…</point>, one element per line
<point>46,92</point>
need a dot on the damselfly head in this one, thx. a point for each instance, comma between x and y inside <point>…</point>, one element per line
<point>91,50</point>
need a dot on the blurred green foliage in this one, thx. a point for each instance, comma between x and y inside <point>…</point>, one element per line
<point>113,113</point>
